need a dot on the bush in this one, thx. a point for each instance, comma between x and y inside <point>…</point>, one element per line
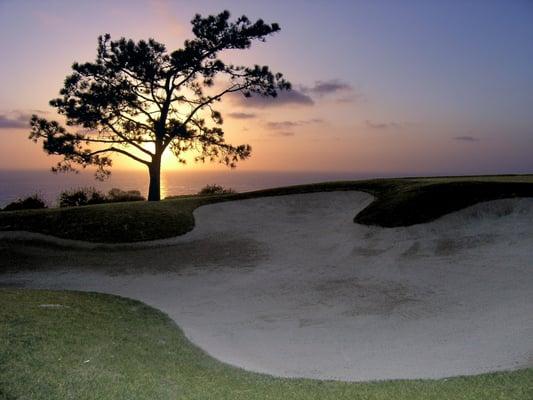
<point>80,197</point>
<point>89,195</point>
<point>121,195</point>
<point>210,190</point>
<point>32,202</point>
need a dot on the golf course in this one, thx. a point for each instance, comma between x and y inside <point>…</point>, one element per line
<point>413,288</point>
<point>374,243</point>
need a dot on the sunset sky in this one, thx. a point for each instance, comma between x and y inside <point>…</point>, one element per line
<point>403,87</point>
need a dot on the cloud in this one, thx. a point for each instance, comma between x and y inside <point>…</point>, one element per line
<point>466,138</point>
<point>343,91</point>
<point>383,125</point>
<point>281,124</point>
<point>323,88</point>
<point>242,115</point>
<point>285,97</point>
<point>18,121</point>
<point>292,124</point>
<point>284,128</point>
<point>301,95</point>
<point>283,133</point>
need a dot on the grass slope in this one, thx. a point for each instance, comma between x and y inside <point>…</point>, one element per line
<point>399,202</point>
<point>72,345</point>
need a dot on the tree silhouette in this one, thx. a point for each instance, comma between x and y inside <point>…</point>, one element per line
<point>137,99</point>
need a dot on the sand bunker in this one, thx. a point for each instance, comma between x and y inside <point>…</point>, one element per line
<point>290,286</point>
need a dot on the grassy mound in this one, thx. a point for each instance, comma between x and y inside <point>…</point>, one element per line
<point>73,345</point>
<point>399,202</point>
<point>424,201</point>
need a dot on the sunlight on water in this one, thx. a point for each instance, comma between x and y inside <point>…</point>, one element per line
<point>16,184</point>
<point>164,186</point>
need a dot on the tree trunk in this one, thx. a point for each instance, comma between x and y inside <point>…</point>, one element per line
<point>154,190</point>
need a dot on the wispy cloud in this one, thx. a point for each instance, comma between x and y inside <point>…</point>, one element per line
<point>466,138</point>
<point>323,88</point>
<point>13,122</point>
<point>286,97</point>
<point>285,128</point>
<point>301,95</point>
<point>242,115</point>
<point>292,124</point>
<point>281,124</point>
<point>383,125</point>
<point>283,133</point>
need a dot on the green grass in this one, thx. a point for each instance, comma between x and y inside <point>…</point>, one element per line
<point>97,346</point>
<point>399,202</point>
<point>136,352</point>
<point>421,201</point>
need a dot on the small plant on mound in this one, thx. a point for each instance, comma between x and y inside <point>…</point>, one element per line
<point>89,195</point>
<point>80,197</point>
<point>116,195</point>
<point>32,202</point>
<point>210,190</point>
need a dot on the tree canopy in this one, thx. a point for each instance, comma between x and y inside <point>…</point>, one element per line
<point>138,99</point>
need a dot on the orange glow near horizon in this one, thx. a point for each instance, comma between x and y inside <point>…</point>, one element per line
<point>395,104</point>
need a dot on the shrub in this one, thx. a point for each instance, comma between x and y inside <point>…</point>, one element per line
<point>210,190</point>
<point>80,197</point>
<point>32,202</point>
<point>121,195</point>
<point>89,195</point>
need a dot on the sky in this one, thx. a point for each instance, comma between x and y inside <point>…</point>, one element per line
<point>387,87</point>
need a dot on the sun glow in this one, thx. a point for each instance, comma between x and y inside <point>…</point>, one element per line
<point>170,162</point>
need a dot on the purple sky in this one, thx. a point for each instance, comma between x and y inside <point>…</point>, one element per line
<point>419,87</point>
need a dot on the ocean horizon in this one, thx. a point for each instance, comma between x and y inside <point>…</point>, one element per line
<point>15,184</point>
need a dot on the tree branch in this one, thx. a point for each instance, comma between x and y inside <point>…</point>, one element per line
<point>128,140</point>
<point>233,88</point>
<point>114,141</point>
<point>121,151</point>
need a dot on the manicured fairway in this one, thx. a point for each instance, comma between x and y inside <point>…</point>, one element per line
<point>399,202</point>
<point>79,345</point>
<point>69,345</point>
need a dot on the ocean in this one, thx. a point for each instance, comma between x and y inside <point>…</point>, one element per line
<point>17,184</point>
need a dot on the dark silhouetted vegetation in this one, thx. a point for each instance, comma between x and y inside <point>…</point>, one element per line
<point>210,190</point>
<point>138,99</point>
<point>399,202</point>
<point>118,195</point>
<point>80,197</point>
<point>89,195</point>
<point>33,202</point>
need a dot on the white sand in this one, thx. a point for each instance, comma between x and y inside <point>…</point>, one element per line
<point>290,286</point>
